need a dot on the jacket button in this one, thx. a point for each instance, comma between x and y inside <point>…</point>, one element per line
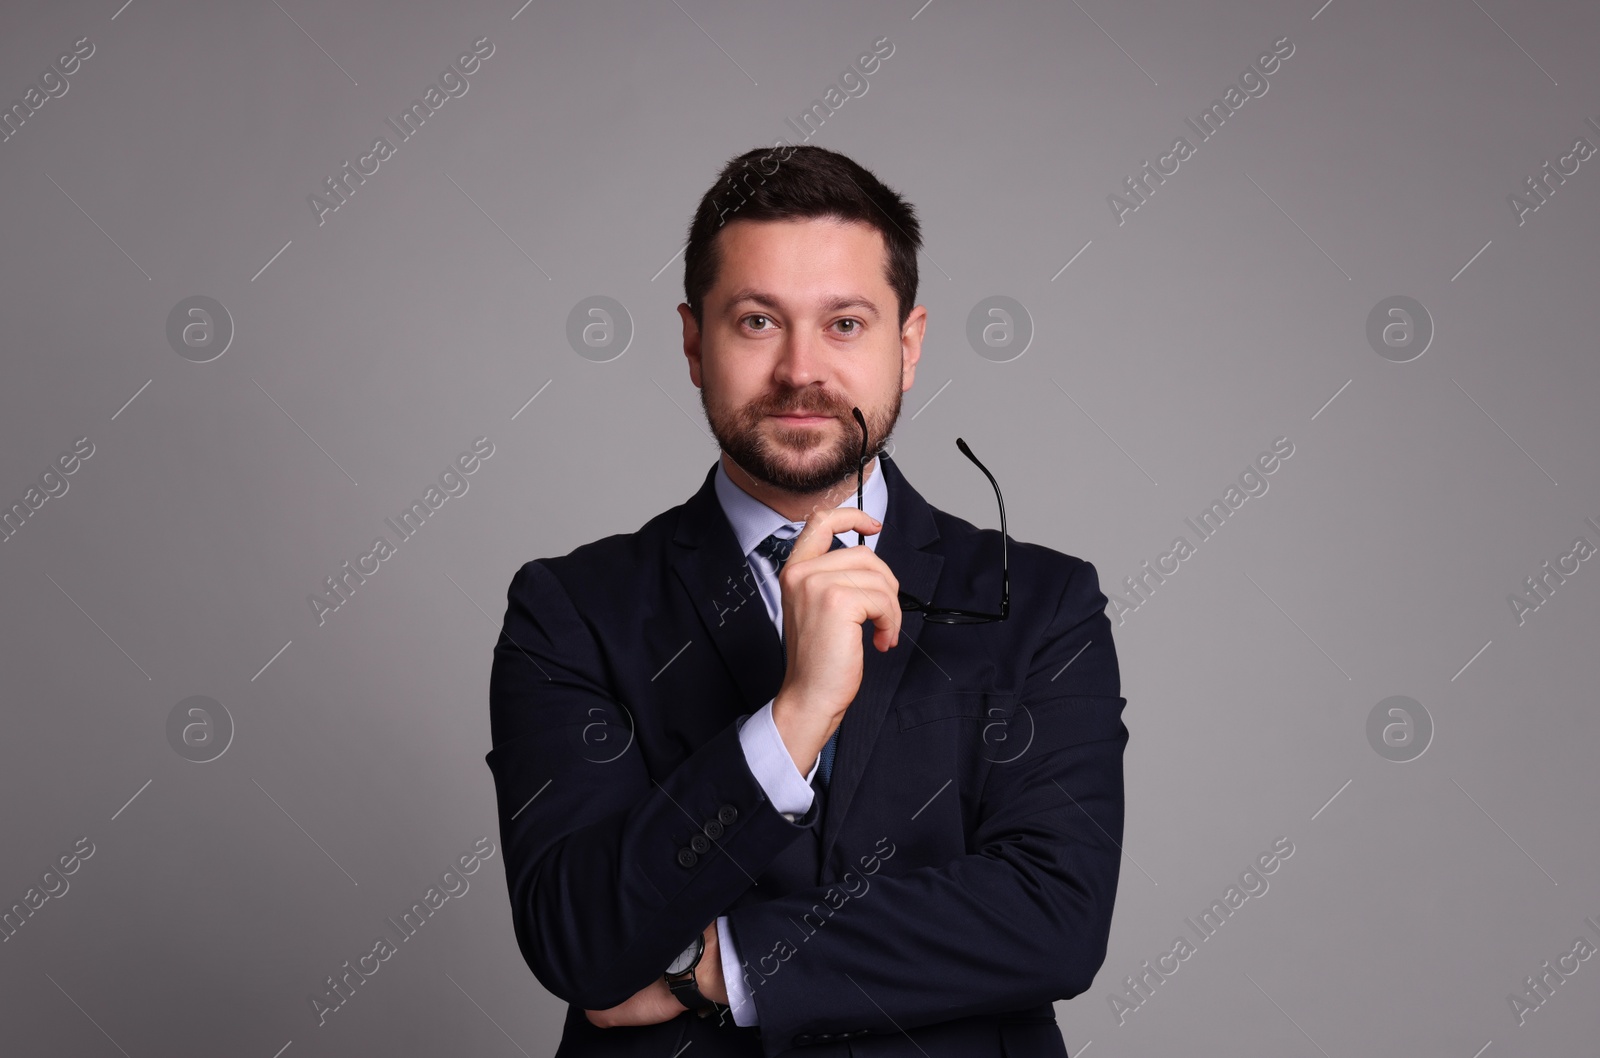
<point>687,858</point>
<point>804,1038</point>
<point>699,843</point>
<point>727,814</point>
<point>713,829</point>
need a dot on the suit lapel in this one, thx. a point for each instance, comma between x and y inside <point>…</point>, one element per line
<point>908,529</point>
<point>720,586</point>
<point>709,565</point>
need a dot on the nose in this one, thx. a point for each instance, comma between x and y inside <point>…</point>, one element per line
<point>802,361</point>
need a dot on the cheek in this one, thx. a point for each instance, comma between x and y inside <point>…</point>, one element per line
<point>736,396</point>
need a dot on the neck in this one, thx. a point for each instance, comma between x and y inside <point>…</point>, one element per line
<point>795,506</point>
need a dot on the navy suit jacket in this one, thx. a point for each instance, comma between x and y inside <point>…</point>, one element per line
<point>955,878</point>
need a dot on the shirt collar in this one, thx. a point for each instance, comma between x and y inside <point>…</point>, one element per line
<point>753,521</point>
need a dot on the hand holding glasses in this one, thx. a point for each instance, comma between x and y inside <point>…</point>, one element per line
<point>939,614</point>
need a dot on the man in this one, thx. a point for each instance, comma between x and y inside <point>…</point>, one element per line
<point>723,748</point>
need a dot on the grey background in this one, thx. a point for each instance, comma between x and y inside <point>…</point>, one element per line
<point>1228,311</point>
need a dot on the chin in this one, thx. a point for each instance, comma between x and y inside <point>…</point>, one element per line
<point>799,439</point>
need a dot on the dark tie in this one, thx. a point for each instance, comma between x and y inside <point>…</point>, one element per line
<point>776,549</point>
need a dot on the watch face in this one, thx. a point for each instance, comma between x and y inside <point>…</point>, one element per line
<point>688,957</point>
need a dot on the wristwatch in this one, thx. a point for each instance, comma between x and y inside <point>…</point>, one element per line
<point>680,978</point>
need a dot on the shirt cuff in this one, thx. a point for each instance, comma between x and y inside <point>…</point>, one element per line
<point>744,1010</point>
<point>773,767</point>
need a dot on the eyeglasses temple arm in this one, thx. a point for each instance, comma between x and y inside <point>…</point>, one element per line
<point>1005,567</point>
<point>861,464</point>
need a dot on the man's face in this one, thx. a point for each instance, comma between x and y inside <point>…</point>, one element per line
<point>800,326</point>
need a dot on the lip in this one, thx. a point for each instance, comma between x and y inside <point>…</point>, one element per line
<point>804,420</point>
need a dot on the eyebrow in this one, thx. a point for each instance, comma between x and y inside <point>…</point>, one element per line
<point>833,304</point>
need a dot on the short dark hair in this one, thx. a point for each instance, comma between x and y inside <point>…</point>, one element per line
<point>788,182</point>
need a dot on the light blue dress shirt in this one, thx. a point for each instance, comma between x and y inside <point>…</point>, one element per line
<point>764,749</point>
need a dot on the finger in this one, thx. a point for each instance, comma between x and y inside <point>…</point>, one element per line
<point>878,594</point>
<point>823,525</point>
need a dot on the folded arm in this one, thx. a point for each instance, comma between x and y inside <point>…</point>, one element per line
<point>1020,921</point>
<point>605,885</point>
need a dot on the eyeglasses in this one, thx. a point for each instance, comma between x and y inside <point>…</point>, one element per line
<point>908,602</point>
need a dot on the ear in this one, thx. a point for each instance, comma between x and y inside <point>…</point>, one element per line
<point>691,343</point>
<point>911,345</point>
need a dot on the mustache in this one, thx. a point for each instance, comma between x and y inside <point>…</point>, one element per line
<point>799,406</point>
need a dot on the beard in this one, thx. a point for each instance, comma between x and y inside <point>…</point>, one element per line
<point>784,459</point>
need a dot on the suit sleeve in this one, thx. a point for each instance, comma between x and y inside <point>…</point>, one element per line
<point>791,794</point>
<point>605,881</point>
<point>1022,920</point>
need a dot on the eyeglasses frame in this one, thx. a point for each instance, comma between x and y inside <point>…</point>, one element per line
<point>910,603</point>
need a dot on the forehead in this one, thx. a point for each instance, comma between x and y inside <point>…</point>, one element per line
<point>812,255</point>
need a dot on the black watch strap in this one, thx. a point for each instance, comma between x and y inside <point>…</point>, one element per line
<point>687,990</point>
